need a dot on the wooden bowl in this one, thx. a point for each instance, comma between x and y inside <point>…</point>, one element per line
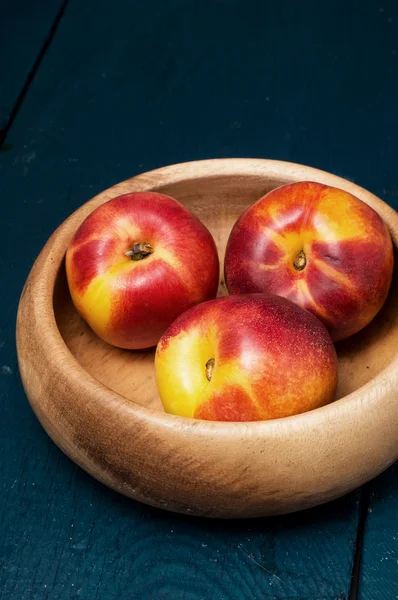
<point>100,404</point>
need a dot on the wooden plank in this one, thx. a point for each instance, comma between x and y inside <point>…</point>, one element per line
<point>126,87</point>
<point>65,536</point>
<point>379,573</point>
<point>379,561</point>
<point>24,29</point>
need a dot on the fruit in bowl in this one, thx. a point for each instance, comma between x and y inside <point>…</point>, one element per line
<point>316,245</point>
<point>247,357</point>
<point>101,406</point>
<point>136,263</point>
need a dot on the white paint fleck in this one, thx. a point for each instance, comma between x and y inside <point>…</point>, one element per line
<point>28,157</point>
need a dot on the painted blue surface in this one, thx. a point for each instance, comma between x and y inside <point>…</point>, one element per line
<point>126,87</point>
<point>24,27</point>
<point>379,575</point>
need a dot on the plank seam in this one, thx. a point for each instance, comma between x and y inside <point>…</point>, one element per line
<point>356,568</point>
<point>21,96</point>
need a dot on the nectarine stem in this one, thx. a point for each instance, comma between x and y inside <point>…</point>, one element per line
<point>209,368</point>
<point>139,251</point>
<point>300,261</point>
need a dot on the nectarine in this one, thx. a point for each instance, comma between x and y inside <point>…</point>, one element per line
<point>245,358</point>
<point>318,246</point>
<point>136,263</point>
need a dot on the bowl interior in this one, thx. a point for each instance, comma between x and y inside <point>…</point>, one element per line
<point>218,201</point>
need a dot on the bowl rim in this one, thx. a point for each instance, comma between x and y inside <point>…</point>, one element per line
<point>53,253</point>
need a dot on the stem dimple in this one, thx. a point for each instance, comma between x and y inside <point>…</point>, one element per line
<point>139,251</point>
<point>209,368</point>
<point>300,261</point>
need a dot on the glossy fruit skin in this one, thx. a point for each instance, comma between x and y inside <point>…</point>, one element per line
<point>130,303</point>
<point>271,359</point>
<point>348,252</point>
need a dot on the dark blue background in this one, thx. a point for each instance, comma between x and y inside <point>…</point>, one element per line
<point>121,87</point>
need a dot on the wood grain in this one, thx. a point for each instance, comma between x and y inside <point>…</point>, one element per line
<point>100,406</point>
<point>379,574</point>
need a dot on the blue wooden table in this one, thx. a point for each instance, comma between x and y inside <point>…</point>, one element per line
<point>93,92</point>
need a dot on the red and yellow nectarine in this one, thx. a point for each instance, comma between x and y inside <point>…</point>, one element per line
<point>245,358</point>
<point>136,263</point>
<point>318,246</point>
